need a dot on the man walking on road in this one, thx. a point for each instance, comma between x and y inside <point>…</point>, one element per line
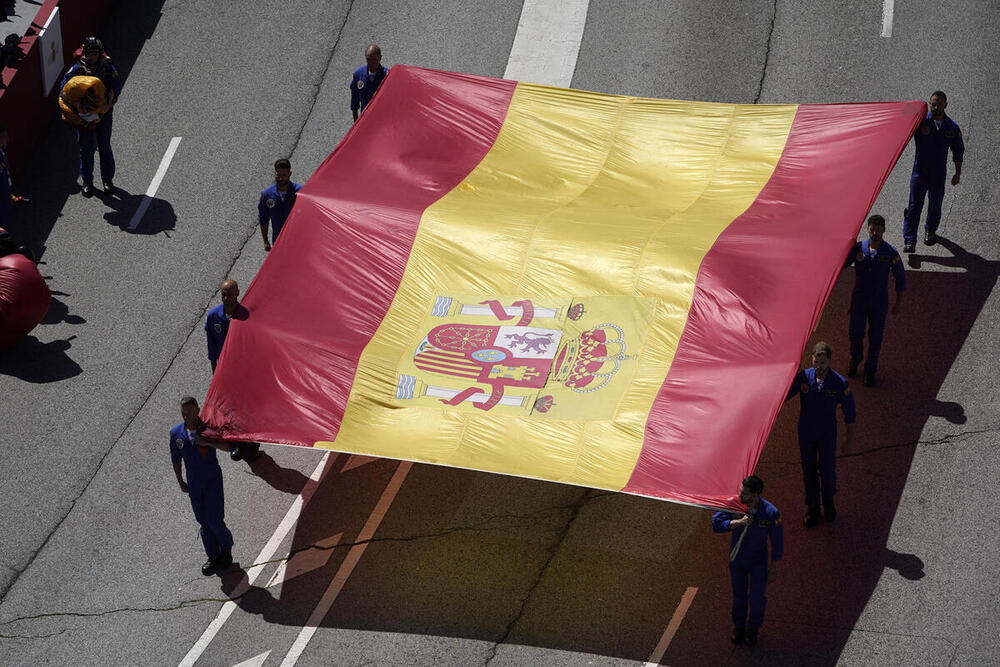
<point>873,261</point>
<point>366,80</point>
<point>276,202</point>
<point>750,570</point>
<point>820,390</point>
<point>935,135</point>
<point>97,133</point>
<point>203,485</point>
<point>216,329</point>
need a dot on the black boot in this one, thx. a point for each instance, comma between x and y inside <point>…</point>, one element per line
<point>88,189</point>
<point>812,517</point>
<point>752,637</point>
<point>829,509</point>
<point>739,635</point>
<point>208,569</point>
<point>852,368</point>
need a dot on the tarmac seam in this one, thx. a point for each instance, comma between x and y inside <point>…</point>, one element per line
<point>575,511</point>
<point>947,641</point>
<point>767,53</point>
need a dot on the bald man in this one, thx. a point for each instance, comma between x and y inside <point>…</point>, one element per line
<point>367,79</point>
<point>216,328</point>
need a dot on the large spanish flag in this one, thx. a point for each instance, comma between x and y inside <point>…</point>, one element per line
<point>592,289</point>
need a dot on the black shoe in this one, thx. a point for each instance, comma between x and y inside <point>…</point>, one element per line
<point>738,636</point>
<point>251,452</point>
<point>869,379</point>
<point>910,246</point>
<point>811,517</point>
<point>236,452</point>
<point>88,189</point>
<point>752,637</point>
<point>852,368</point>
<point>208,569</point>
<point>930,238</point>
<point>109,187</point>
<point>829,510</point>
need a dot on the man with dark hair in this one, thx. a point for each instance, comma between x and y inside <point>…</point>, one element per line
<point>750,570</point>
<point>873,261</point>
<point>935,135</point>
<point>97,133</point>
<point>203,485</point>
<point>366,80</point>
<point>820,390</point>
<point>276,202</point>
<point>216,330</point>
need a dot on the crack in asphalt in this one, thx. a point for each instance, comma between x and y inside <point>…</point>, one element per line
<point>825,626</point>
<point>767,53</point>
<point>574,512</point>
<point>943,440</point>
<point>194,329</point>
<point>480,526</point>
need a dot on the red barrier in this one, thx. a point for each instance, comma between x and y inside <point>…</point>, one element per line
<point>24,111</point>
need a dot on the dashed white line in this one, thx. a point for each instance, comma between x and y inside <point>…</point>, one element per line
<point>154,185</point>
<point>347,567</point>
<point>887,7</point>
<point>547,41</point>
<point>291,517</point>
<point>672,626</point>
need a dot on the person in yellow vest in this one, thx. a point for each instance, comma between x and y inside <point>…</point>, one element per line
<point>84,101</point>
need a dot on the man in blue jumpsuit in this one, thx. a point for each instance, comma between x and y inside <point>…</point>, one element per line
<point>95,63</point>
<point>935,135</point>
<point>203,485</point>
<point>216,329</point>
<point>874,260</point>
<point>366,80</point>
<point>276,202</point>
<point>750,570</point>
<point>821,390</point>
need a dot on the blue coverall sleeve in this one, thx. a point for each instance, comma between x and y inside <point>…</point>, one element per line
<point>899,273</point>
<point>776,533</point>
<point>847,405</point>
<point>958,148</point>
<point>720,522</point>
<point>852,255</point>
<point>355,97</point>
<point>70,73</point>
<point>213,344</point>
<point>116,81</point>
<point>262,216</point>
<point>175,454</point>
<point>797,381</point>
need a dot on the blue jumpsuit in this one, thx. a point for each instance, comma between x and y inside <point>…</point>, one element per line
<point>818,428</point>
<point>870,298</point>
<point>216,328</point>
<point>748,560</point>
<point>364,86</point>
<point>930,170</point>
<point>204,480</point>
<point>275,208</point>
<point>98,138</point>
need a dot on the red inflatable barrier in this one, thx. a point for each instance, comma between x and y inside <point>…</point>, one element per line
<point>24,298</point>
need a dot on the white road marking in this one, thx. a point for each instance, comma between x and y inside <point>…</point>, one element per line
<point>347,567</point>
<point>255,661</point>
<point>304,561</point>
<point>887,6</point>
<point>356,461</point>
<point>154,185</point>
<point>547,42</point>
<point>291,517</point>
<point>672,626</point>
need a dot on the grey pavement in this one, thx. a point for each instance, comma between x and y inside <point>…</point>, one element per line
<point>100,564</point>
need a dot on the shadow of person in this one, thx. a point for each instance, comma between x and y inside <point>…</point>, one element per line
<point>37,362</point>
<point>909,566</point>
<point>59,312</point>
<point>287,480</point>
<point>138,214</point>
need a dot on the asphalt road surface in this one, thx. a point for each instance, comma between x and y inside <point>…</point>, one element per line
<point>100,557</point>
